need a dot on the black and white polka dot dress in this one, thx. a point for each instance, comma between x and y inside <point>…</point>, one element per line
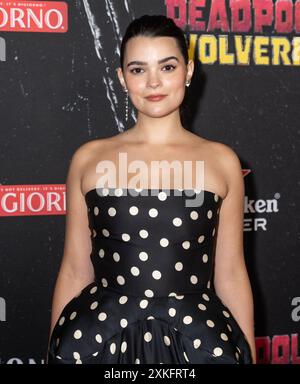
<point>152,300</point>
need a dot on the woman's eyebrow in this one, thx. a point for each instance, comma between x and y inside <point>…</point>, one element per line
<point>135,62</point>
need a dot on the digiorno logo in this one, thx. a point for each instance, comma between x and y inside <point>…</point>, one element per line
<point>32,200</point>
<point>34,16</point>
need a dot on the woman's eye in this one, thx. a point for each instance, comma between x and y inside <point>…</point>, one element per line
<point>170,66</point>
<point>135,69</point>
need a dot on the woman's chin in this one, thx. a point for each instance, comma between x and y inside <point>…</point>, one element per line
<point>156,113</point>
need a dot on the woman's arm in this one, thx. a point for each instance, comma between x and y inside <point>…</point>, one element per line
<point>231,279</point>
<point>76,270</point>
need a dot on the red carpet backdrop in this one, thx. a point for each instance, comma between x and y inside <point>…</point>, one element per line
<point>59,89</point>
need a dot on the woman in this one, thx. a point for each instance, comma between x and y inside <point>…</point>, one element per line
<point>144,278</point>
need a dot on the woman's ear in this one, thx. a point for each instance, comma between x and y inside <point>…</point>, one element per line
<point>121,77</point>
<point>190,69</point>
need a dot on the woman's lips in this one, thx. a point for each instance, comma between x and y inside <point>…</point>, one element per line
<point>155,98</point>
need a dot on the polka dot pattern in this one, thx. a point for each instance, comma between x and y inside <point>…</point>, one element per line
<point>102,316</point>
<point>94,305</point>
<point>77,334</point>
<point>112,211</point>
<point>61,320</point>
<point>148,337</point>
<point>123,347</point>
<point>164,242</point>
<point>98,338</point>
<point>113,348</point>
<point>149,293</point>
<point>93,290</point>
<point>144,233</point>
<point>125,237</point>
<point>156,275</point>
<point>133,210</point>
<point>143,256</point>
<point>116,256</point>
<point>177,222</point>
<point>218,351</point>
<point>167,341</point>
<point>135,271</point>
<point>179,266</point>
<point>123,323</point>
<point>153,212</point>
<point>73,315</point>
<point>151,301</point>
<point>194,215</point>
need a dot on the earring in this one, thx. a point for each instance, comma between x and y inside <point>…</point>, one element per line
<point>126,104</point>
<point>187,83</point>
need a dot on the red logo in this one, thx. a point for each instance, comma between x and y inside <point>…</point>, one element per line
<point>32,200</point>
<point>34,16</point>
<point>246,172</point>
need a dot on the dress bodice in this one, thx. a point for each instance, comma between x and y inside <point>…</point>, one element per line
<point>153,243</point>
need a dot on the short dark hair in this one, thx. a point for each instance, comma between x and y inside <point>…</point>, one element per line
<point>154,26</point>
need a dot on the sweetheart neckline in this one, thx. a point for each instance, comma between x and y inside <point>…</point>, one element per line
<point>155,189</point>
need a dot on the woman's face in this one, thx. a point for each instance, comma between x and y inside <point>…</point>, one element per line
<point>150,70</point>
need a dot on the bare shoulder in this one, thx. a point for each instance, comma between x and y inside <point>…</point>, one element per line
<point>228,163</point>
<point>80,160</point>
<point>226,155</point>
<point>83,154</point>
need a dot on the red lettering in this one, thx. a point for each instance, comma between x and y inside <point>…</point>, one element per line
<point>295,357</point>
<point>280,343</point>
<point>263,349</point>
<point>195,14</point>
<point>284,16</point>
<point>297,16</point>
<point>181,5</point>
<point>263,10</point>
<point>238,6</point>
<point>218,17</point>
<point>240,16</point>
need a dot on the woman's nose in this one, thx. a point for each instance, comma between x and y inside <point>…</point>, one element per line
<point>154,80</point>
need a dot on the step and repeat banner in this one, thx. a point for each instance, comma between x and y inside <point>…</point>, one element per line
<point>59,89</point>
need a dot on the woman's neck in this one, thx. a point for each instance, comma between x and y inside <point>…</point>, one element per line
<point>162,130</point>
